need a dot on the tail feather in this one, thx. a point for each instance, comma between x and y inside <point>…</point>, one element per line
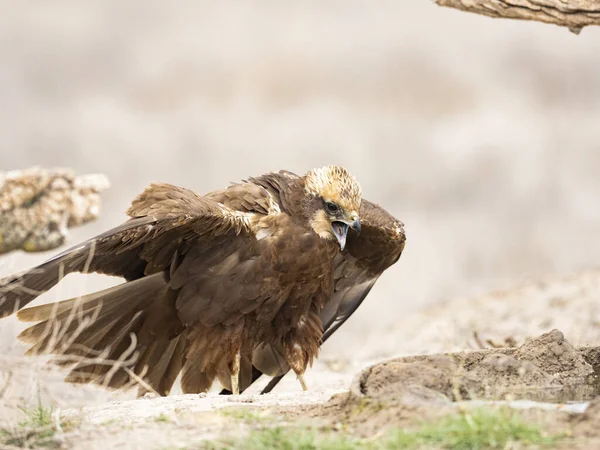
<point>91,339</point>
<point>174,366</point>
<point>116,336</point>
<point>108,369</point>
<point>108,335</point>
<point>101,308</point>
<point>196,376</point>
<point>158,359</point>
<point>100,339</point>
<point>151,356</point>
<point>82,304</point>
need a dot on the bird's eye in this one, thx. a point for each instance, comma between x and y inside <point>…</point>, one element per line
<point>331,207</point>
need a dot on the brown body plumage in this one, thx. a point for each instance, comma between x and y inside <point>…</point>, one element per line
<point>251,275</point>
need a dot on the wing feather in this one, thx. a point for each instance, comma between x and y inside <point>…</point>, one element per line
<point>164,221</point>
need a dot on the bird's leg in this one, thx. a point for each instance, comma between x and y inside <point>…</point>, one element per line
<point>235,374</point>
<point>297,363</point>
<point>302,381</point>
<point>296,357</point>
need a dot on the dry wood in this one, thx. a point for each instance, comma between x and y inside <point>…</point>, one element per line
<point>37,206</point>
<point>573,14</point>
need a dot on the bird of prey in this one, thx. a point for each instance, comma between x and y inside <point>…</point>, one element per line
<point>246,280</point>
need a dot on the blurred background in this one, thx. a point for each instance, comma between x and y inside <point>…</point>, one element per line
<point>482,135</point>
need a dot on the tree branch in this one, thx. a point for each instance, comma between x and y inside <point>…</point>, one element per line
<point>573,14</point>
<point>38,205</point>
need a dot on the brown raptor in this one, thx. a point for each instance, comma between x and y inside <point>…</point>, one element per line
<point>246,280</point>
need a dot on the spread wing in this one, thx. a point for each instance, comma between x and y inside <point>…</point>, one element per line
<point>356,270</point>
<point>190,263</point>
<point>165,221</point>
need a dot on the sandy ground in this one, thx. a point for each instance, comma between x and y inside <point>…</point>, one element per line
<point>480,134</point>
<point>548,369</point>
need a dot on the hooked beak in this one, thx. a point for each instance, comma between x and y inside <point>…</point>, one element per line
<point>340,230</point>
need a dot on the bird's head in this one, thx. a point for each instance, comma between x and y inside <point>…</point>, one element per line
<point>333,201</point>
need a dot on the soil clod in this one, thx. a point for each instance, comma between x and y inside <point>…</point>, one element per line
<point>547,368</point>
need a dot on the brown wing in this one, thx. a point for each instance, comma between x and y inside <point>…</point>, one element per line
<point>268,193</point>
<point>197,264</point>
<point>365,258</point>
<point>223,280</point>
<point>246,197</point>
<point>165,221</point>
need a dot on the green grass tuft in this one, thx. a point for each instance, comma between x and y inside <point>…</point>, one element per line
<point>287,439</point>
<point>37,417</point>
<point>473,430</point>
<point>162,417</point>
<point>246,414</point>
<point>479,429</point>
<point>37,429</point>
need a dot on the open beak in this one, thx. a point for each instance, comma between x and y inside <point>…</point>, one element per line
<point>340,230</point>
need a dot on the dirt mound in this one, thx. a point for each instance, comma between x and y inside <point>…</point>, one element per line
<point>543,368</point>
<point>395,392</point>
<point>552,353</point>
